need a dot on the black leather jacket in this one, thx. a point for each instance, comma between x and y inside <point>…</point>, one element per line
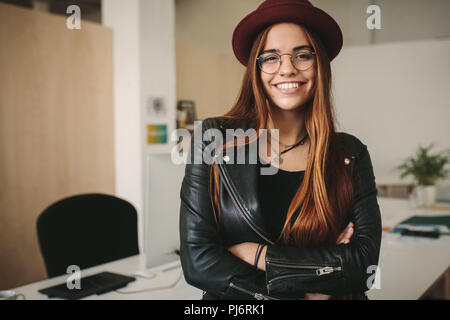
<point>290,271</point>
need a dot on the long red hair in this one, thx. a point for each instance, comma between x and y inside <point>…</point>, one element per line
<point>318,211</point>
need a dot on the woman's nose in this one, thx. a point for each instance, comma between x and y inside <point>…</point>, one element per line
<point>286,67</point>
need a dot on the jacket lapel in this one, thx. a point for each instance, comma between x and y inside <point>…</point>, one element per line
<point>242,178</point>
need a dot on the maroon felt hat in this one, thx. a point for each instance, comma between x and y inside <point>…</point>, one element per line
<point>277,11</point>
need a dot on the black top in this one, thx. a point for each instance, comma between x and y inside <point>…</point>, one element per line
<point>275,193</point>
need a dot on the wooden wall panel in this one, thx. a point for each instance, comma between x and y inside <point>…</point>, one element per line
<point>56,127</point>
<point>211,79</point>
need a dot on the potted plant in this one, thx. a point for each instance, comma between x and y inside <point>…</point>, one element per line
<point>426,169</point>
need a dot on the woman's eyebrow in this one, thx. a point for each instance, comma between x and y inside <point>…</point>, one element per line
<point>295,49</point>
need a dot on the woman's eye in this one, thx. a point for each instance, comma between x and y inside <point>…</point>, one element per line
<point>303,56</point>
<point>270,59</point>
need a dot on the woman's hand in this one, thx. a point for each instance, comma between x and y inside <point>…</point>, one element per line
<point>246,251</point>
<point>343,238</point>
<point>345,235</point>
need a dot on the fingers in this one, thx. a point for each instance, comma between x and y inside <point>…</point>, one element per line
<point>345,235</point>
<point>348,234</point>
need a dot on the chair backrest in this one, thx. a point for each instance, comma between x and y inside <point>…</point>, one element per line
<point>86,230</point>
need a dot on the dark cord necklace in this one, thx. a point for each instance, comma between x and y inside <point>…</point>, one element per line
<point>278,158</point>
<point>302,141</point>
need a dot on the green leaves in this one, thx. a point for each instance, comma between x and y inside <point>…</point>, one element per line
<point>424,167</point>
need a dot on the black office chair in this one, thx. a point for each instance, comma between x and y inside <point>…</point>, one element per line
<point>86,230</point>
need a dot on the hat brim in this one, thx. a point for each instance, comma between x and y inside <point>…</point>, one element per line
<point>314,18</point>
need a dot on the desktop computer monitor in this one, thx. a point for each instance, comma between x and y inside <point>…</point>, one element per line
<point>163,181</point>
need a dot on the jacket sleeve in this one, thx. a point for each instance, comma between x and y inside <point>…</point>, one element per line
<point>340,269</point>
<point>206,262</point>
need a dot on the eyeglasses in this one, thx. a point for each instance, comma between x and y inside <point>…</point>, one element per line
<point>270,63</point>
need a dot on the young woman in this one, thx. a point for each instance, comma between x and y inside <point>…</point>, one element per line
<point>312,229</point>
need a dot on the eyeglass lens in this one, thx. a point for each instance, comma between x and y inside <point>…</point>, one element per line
<point>271,62</point>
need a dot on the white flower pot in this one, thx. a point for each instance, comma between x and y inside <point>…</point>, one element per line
<point>426,195</point>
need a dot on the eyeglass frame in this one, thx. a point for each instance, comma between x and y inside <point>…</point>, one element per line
<point>280,62</point>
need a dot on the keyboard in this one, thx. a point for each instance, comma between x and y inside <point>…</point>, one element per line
<point>96,284</point>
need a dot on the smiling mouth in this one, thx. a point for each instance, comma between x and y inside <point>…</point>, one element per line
<point>290,85</point>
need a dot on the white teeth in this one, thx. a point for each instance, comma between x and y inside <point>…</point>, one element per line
<point>288,85</point>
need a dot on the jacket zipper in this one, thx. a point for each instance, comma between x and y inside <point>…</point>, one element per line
<point>316,270</point>
<point>319,270</point>
<point>257,296</point>
<point>238,204</point>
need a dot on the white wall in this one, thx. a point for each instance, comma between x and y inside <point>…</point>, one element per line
<point>123,17</point>
<point>407,20</point>
<point>394,96</point>
<point>157,64</point>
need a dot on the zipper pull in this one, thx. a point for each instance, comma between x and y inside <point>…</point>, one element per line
<point>327,270</point>
<point>259,296</point>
